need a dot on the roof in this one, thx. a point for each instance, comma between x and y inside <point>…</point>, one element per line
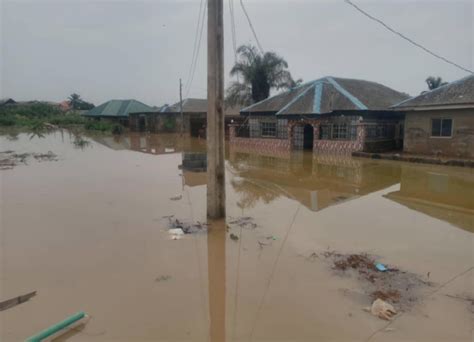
<point>6,101</point>
<point>119,108</point>
<point>460,92</point>
<point>192,105</point>
<point>329,94</point>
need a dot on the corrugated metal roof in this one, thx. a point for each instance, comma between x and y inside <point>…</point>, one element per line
<point>329,94</point>
<point>119,108</point>
<point>460,92</point>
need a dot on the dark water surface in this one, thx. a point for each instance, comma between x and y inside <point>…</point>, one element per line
<point>89,232</point>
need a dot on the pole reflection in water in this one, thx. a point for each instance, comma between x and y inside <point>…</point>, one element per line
<point>216,260</point>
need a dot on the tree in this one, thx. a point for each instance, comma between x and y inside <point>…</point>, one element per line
<point>434,82</point>
<point>79,104</point>
<point>259,74</point>
<point>74,100</point>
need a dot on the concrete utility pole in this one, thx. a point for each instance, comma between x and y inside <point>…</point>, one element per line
<point>215,111</point>
<point>181,105</point>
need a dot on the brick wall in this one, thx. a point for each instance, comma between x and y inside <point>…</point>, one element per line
<point>418,137</point>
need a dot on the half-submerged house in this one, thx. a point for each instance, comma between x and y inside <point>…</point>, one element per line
<point>326,115</point>
<point>168,118</point>
<point>441,121</point>
<point>118,110</point>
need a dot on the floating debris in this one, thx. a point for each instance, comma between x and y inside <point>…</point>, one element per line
<point>382,309</point>
<point>185,227</point>
<point>10,159</point>
<point>176,198</point>
<point>234,237</point>
<point>163,278</point>
<point>246,222</point>
<point>7,304</point>
<point>392,285</point>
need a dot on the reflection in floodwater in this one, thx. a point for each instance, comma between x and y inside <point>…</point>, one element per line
<point>317,182</point>
<point>216,259</point>
<point>262,283</point>
<point>443,193</point>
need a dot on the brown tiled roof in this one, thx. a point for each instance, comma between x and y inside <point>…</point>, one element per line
<point>329,94</point>
<point>460,92</point>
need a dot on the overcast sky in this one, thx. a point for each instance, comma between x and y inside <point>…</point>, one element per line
<point>140,48</point>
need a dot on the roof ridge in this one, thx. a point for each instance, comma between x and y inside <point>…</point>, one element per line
<point>346,93</point>
<point>295,99</point>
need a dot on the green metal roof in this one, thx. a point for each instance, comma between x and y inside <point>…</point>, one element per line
<point>119,108</point>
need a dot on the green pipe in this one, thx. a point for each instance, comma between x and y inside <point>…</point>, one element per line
<point>57,327</point>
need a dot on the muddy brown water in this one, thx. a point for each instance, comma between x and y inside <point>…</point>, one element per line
<point>87,232</point>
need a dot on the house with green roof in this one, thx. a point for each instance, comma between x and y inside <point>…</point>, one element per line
<point>118,110</point>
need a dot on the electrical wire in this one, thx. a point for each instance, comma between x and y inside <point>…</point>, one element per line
<point>198,25</point>
<point>194,64</point>
<point>251,27</point>
<point>406,38</point>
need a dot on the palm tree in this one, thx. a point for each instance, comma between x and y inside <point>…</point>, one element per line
<point>434,82</point>
<point>259,74</point>
<point>75,100</point>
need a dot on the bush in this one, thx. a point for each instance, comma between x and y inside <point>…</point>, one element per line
<point>101,126</point>
<point>7,121</point>
<point>117,129</point>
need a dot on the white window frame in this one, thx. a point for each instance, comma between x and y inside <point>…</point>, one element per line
<point>441,128</point>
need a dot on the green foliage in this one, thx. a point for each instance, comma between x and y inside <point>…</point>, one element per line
<point>102,126</point>
<point>117,129</point>
<point>259,74</point>
<point>169,123</point>
<point>7,121</point>
<point>434,82</point>
<point>79,104</point>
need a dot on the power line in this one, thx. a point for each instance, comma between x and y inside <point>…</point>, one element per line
<point>198,25</point>
<point>251,26</point>
<point>234,32</point>
<point>406,38</point>
<point>232,24</point>
<point>198,49</point>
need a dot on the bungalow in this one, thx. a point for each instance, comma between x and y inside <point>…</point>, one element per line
<point>117,110</point>
<point>168,118</point>
<point>7,101</point>
<point>441,122</point>
<point>326,115</point>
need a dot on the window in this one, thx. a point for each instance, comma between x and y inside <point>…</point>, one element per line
<point>268,129</point>
<point>441,127</point>
<point>339,132</point>
<point>325,132</point>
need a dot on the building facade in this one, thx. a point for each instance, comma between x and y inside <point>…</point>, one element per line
<point>441,122</point>
<point>331,115</point>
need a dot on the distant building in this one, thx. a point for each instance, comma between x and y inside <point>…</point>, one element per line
<point>118,110</point>
<point>441,121</point>
<point>168,118</point>
<point>6,101</point>
<point>326,115</point>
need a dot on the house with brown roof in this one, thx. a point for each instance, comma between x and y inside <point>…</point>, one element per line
<point>441,122</point>
<point>168,118</point>
<point>329,114</point>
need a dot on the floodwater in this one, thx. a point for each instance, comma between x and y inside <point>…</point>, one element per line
<point>89,232</point>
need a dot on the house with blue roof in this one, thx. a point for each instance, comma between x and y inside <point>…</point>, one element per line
<point>330,114</point>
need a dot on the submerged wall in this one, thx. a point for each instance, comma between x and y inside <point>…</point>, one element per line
<point>363,136</point>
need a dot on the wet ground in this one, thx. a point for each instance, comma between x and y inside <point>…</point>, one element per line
<point>89,231</point>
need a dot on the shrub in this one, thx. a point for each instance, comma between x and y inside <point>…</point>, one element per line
<point>117,129</point>
<point>7,121</point>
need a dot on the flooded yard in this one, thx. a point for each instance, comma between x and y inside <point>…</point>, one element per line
<point>97,228</point>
